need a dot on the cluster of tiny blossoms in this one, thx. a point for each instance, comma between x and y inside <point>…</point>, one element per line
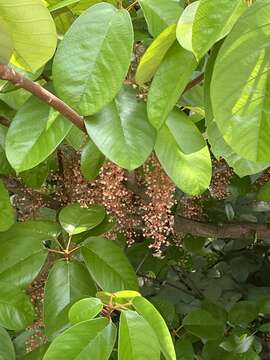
<point>157,215</point>
<point>221,178</point>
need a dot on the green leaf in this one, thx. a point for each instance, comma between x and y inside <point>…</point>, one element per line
<point>36,354</point>
<point>137,340</point>
<point>264,192</point>
<point>29,19</point>
<point>237,344</point>
<point>76,219</point>
<point>16,310</point>
<point>242,313</point>
<point>6,210</point>
<point>91,160</point>
<point>89,339</point>
<point>76,138</point>
<point>169,82</point>
<point>202,324</point>
<point>194,244</point>
<point>153,56</point>
<point>83,5</point>
<point>157,323</point>
<point>28,140</point>
<point>6,42</point>
<point>108,265</point>
<point>190,172</point>
<point>83,81</point>
<point>6,347</point>
<point>22,251</point>
<point>265,327</point>
<point>122,131</point>
<point>214,20</point>
<point>159,14</point>
<point>5,167</point>
<point>185,24</point>
<point>62,4</point>
<point>240,97</point>
<point>84,309</point>
<point>184,349</point>
<point>68,282</point>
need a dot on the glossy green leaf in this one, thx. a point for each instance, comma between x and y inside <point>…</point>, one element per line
<point>28,140</point>
<point>169,82</point>
<point>153,56</point>
<point>16,310</point>
<point>83,5</point>
<point>29,20</point>
<point>157,323</point>
<point>83,81</point>
<point>185,24</point>
<point>61,4</point>
<point>22,252</point>
<point>76,219</point>
<point>202,324</point>
<point>92,160</point>
<point>6,347</point>
<point>6,42</point>
<point>5,167</point>
<point>237,344</point>
<point>137,340</point>
<point>240,99</point>
<point>213,20</point>
<point>108,265</point>
<point>76,138</point>
<point>67,283</point>
<point>7,214</point>
<point>36,354</point>
<point>159,14</point>
<point>37,176</point>
<point>184,349</point>
<point>243,313</point>
<point>122,132</point>
<point>190,172</point>
<point>92,339</point>
<point>84,309</point>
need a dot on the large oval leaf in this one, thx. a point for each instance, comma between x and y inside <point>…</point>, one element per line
<point>153,56</point>
<point>159,14</point>
<point>137,340</point>
<point>108,265</point>
<point>16,310</point>
<point>7,351</point>
<point>30,138</point>
<point>98,47</point>
<point>92,339</point>
<point>76,219</point>
<point>157,323</point>
<point>170,80</point>
<point>213,20</point>
<point>84,309</point>
<point>6,210</point>
<point>22,252</point>
<point>122,131</point>
<point>240,98</point>
<point>192,171</point>
<point>68,282</point>
<point>32,30</point>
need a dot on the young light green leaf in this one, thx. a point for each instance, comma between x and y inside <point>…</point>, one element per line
<point>7,214</point>
<point>89,339</point>
<point>157,323</point>
<point>76,219</point>
<point>169,82</point>
<point>122,131</point>
<point>137,340</point>
<point>94,61</point>
<point>83,5</point>
<point>7,351</point>
<point>92,160</point>
<point>185,24</point>
<point>214,20</point>
<point>159,14</point>
<point>6,42</point>
<point>22,251</point>
<point>153,56</point>
<point>67,283</point>
<point>108,265</point>
<point>84,309</point>
<point>240,97</point>
<point>29,19</point>
<point>28,140</point>
<point>190,171</point>
<point>61,4</point>
<point>16,310</point>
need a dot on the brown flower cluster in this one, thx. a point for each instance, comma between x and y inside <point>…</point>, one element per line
<point>221,177</point>
<point>263,178</point>
<point>192,208</point>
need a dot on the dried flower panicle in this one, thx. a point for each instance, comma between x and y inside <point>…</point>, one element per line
<point>221,177</point>
<point>192,208</point>
<point>263,178</point>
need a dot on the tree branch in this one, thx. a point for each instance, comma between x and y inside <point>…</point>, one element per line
<point>6,73</point>
<point>4,121</point>
<point>223,231</point>
<point>194,82</point>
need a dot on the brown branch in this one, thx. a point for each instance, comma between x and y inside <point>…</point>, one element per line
<point>223,231</point>
<point>6,73</point>
<point>4,121</point>
<point>194,82</point>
